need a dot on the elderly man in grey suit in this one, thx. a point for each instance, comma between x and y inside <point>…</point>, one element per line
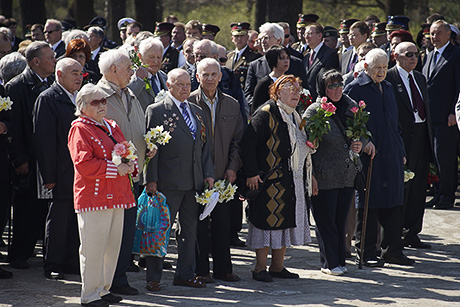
<point>179,169</point>
<point>150,54</point>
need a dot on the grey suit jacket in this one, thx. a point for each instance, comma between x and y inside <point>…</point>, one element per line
<point>146,97</point>
<point>184,162</point>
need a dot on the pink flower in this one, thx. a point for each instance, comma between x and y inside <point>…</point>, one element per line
<point>362,104</point>
<point>324,100</point>
<point>354,110</point>
<point>328,107</point>
<point>324,106</point>
<point>310,144</point>
<point>119,149</point>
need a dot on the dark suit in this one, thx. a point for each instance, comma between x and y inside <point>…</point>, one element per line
<point>418,143</point>
<point>261,94</point>
<point>443,90</point>
<point>259,69</point>
<point>29,212</point>
<point>53,115</point>
<point>93,65</point>
<point>295,53</point>
<point>241,66</point>
<point>170,59</point>
<point>147,97</point>
<point>4,168</point>
<point>324,60</point>
<point>179,168</point>
<point>60,50</point>
<point>345,61</point>
<point>16,43</point>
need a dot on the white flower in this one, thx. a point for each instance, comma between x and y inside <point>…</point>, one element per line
<point>160,96</point>
<point>5,103</point>
<point>408,175</point>
<point>116,159</point>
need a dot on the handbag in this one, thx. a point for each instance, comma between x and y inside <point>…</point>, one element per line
<point>153,225</point>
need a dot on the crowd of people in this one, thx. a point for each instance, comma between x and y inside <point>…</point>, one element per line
<point>237,116</point>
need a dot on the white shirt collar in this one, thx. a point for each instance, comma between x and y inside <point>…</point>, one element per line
<point>240,52</point>
<point>317,48</point>
<point>441,50</point>
<point>55,45</point>
<point>95,52</point>
<point>71,96</point>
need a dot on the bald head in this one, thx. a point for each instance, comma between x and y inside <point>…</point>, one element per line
<point>179,84</point>
<point>69,74</point>
<point>406,55</point>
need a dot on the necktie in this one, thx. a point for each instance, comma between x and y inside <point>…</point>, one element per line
<point>235,59</point>
<point>187,118</point>
<point>312,57</point>
<point>353,62</point>
<point>433,62</point>
<point>154,86</point>
<point>417,101</point>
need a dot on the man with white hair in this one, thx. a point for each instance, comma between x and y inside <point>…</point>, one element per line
<point>95,39</point>
<point>29,211</point>
<point>415,119</point>
<point>387,185</point>
<point>149,80</point>
<point>125,109</point>
<point>226,129</point>
<point>53,35</point>
<point>271,34</point>
<point>54,112</point>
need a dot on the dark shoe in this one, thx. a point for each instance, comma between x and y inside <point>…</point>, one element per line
<point>205,278</point>
<point>236,242</point>
<point>142,262</point>
<point>112,299</point>
<point>227,277</point>
<point>400,259</point>
<point>124,290</point>
<point>262,276</point>
<point>54,275</point>
<point>167,265</point>
<point>193,283</point>
<point>284,274</point>
<point>5,274</point>
<point>133,268</point>
<point>432,202</point>
<point>443,205</point>
<point>153,286</point>
<point>372,262</point>
<point>19,264</point>
<point>348,255</point>
<point>417,244</point>
<point>98,303</point>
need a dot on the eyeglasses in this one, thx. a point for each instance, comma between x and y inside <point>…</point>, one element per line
<point>292,89</point>
<point>335,86</point>
<point>410,54</point>
<point>287,35</point>
<point>223,60</point>
<point>200,56</point>
<point>49,32</point>
<point>97,102</point>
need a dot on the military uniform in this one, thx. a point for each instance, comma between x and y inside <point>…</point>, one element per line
<point>170,59</point>
<point>241,66</point>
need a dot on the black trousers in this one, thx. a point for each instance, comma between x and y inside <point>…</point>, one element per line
<point>446,150</point>
<point>213,234</point>
<point>418,161</point>
<point>62,239</point>
<point>236,216</point>
<point>390,220</point>
<point>4,204</point>
<point>330,210</point>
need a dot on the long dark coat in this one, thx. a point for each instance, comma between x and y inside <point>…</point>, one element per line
<point>387,185</point>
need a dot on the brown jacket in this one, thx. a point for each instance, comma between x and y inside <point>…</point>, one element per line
<point>228,131</point>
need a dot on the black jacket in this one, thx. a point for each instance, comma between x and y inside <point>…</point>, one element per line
<point>4,158</point>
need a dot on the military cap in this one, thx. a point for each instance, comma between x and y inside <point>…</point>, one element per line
<point>68,24</point>
<point>397,23</point>
<point>240,28</point>
<point>163,28</point>
<point>330,32</point>
<point>96,22</point>
<point>346,24</point>
<point>379,29</point>
<point>209,29</point>
<point>426,30</point>
<point>306,19</point>
<point>124,22</point>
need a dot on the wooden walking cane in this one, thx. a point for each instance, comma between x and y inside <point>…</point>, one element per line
<point>365,211</point>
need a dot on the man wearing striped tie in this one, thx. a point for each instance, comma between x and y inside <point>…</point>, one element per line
<point>179,170</point>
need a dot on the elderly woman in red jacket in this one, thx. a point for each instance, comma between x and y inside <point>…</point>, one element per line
<point>101,193</point>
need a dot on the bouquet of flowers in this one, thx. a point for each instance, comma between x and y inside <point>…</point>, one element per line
<point>123,152</point>
<point>304,101</point>
<point>136,63</point>
<point>153,137</point>
<point>432,175</point>
<point>5,103</point>
<point>160,96</point>
<point>318,124</point>
<point>205,197</point>
<point>408,174</point>
<point>357,125</point>
<point>225,189</point>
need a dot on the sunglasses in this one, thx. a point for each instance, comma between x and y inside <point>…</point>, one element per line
<point>49,32</point>
<point>410,54</point>
<point>97,102</point>
<point>334,86</point>
<point>223,60</point>
<point>286,35</point>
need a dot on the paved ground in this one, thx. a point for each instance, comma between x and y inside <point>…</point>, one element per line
<point>433,281</point>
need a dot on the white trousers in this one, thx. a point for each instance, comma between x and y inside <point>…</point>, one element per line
<point>100,237</point>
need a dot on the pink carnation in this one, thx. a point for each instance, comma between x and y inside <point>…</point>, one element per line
<point>310,144</point>
<point>354,110</point>
<point>119,149</point>
<point>362,104</point>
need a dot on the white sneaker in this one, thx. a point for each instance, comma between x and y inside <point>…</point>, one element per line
<point>335,271</point>
<point>344,269</point>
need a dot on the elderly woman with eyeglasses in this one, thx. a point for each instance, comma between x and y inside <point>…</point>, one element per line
<point>334,173</point>
<point>102,192</point>
<point>276,161</point>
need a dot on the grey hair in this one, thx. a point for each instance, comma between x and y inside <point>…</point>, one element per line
<point>64,63</point>
<point>148,43</point>
<point>55,22</point>
<point>274,28</point>
<point>11,65</point>
<point>136,41</point>
<point>97,31</point>
<point>34,50</point>
<point>86,94</point>
<point>445,24</point>
<point>206,62</point>
<point>373,55</point>
<point>75,34</point>
<point>5,34</point>
<point>207,42</point>
<point>110,58</point>
<point>402,46</point>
